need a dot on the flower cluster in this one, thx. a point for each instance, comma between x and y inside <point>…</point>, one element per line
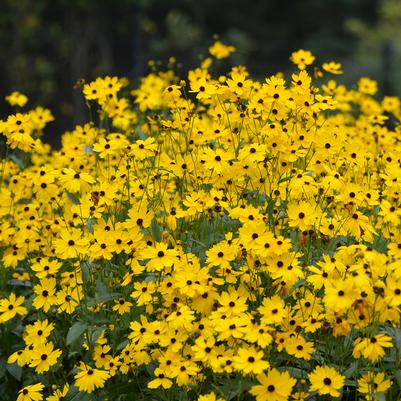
<point>205,238</point>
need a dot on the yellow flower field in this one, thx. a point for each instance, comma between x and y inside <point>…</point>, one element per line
<point>204,237</point>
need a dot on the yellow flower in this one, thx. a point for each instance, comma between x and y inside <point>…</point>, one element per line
<point>88,379</point>
<point>332,67</point>
<point>16,99</point>
<point>45,294</point>
<point>43,357</point>
<point>367,86</point>
<point>161,380</point>
<point>10,307</point>
<point>302,58</point>
<point>31,393</point>
<point>249,360</point>
<point>372,383</point>
<point>274,386</point>
<point>59,394</point>
<point>209,397</point>
<point>326,380</point>
<point>372,348</point>
<point>220,50</point>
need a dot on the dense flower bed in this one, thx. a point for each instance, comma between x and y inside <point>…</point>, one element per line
<point>213,238</point>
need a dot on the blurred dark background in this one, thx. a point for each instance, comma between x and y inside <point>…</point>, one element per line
<point>47,45</point>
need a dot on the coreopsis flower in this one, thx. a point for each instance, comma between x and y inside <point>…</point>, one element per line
<point>367,86</point>
<point>372,348</point>
<point>95,90</point>
<point>88,379</point>
<point>16,99</point>
<point>220,255</point>
<point>160,381</point>
<point>68,299</point>
<point>302,58</point>
<point>184,371</point>
<point>220,50</point>
<point>160,257</point>
<point>59,393</point>
<point>40,117</point>
<point>209,397</point>
<point>326,380</point>
<point>11,306</point>
<point>203,88</point>
<point>392,292</point>
<point>232,303</point>
<point>74,181</point>
<point>216,160</point>
<point>302,215</point>
<point>340,295</point>
<point>38,332</point>
<point>172,93</point>
<point>70,244</point>
<point>45,293</point>
<point>332,67</point>
<point>391,103</point>
<point>142,149</point>
<point>300,348</point>
<point>372,383</point>
<point>105,147</point>
<point>272,310</point>
<point>32,392</point>
<point>45,267</point>
<point>249,360</point>
<point>143,292</point>
<point>274,386</point>
<point>122,306</point>
<point>18,129</point>
<point>44,356</point>
<point>182,318</point>
<point>239,84</point>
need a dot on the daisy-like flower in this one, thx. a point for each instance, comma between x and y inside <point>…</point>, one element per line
<point>10,307</point>
<point>31,393</point>
<point>372,348</point>
<point>45,294</point>
<point>371,383</point>
<point>220,50</point>
<point>74,181</point>
<point>274,386</point>
<point>249,360</point>
<point>159,256</point>
<point>43,357</point>
<point>332,67</point>
<point>326,380</point>
<point>88,379</point>
<point>302,58</point>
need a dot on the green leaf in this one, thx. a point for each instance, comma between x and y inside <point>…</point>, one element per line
<point>75,332</point>
<point>2,367</point>
<point>351,370</point>
<point>296,372</point>
<point>17,160</point>
<point>15,370</point>
<point>85,271</point>
<point>96,333</point>
<point>103,298</point>
<point>233,388</point>
<point>156,230</point>
<point>20,283</point>
<point>73,198</point>
<point>379,396</point>
<point>397,376</point>
<point>75,395</point>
